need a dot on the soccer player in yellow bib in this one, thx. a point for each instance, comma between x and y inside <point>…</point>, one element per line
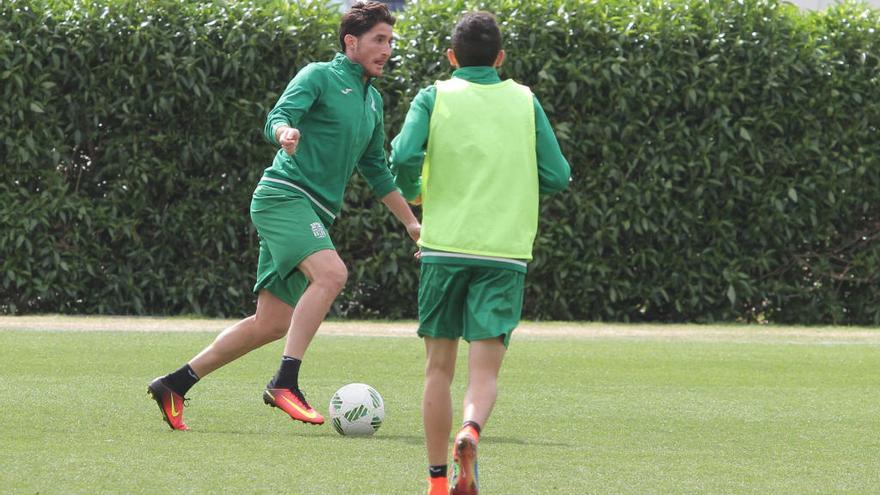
<point>477,152</point>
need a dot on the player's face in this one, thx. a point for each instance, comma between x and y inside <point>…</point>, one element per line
<point>371,49</point>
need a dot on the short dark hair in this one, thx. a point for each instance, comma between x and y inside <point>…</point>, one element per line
<point>362,17</point>
<point>476,39</point>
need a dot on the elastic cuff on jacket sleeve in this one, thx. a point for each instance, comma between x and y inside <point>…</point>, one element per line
<point>409,191</point>
<point>383,188</point>
<point>275,125</point>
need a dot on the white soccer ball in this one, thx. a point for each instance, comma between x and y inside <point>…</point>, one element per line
<point>356,410</point>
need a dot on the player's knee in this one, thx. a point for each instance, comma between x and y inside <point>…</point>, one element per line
<point>333,277</point>
<point>271,328</point>
<point>277,329</point>
<point>439,370</point>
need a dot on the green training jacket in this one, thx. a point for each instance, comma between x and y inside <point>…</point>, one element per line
<point>340,120</point>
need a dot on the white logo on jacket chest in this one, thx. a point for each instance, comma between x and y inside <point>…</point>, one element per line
<point>346,91</point>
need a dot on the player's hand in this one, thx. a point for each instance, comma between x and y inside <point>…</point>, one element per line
<point>288,138</point>
<point>414,230</point>
<point>418,254</point>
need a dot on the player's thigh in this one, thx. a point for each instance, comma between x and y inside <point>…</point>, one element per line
<point>272,311</point>
<point>485,357</point>
<point>288,289</point>
<point>440,354</point>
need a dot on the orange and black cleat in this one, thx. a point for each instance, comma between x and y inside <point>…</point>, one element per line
<point>294,404</point>
<point>438,486</point>
<point>170,403</point>
<point>464,468</point>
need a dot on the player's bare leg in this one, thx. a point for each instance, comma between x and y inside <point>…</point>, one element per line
<point>327,276</point>
<point>437,399</point>
<point>484,364</point>
<point>269,323</point>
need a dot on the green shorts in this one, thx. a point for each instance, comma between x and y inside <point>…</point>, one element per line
<point>473,302</point>
<point>289,231</point>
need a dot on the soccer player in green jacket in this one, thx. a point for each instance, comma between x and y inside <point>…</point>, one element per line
<point>476,151</point>
<point>327,123</point>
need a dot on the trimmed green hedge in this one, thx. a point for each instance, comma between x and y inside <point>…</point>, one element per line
<point>725,156</point>
<point>132,140</point>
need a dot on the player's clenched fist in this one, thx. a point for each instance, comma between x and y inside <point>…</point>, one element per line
<point>288,138</point>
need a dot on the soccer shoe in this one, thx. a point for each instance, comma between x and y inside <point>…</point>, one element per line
<point>438,486</point>
<point>464,467</point>
<point>294,404</point>
<point>170,403</point>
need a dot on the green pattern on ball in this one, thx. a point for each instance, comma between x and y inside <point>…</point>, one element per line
<point>336,402</point>
<point>377,401</point>
<point>358,412</point>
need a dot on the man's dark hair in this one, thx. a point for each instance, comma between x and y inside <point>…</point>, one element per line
<point>476,39</point>
<point>362,17</point>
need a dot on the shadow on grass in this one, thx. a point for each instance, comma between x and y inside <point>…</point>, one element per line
<point>386,437</point>
<point>523,441</point>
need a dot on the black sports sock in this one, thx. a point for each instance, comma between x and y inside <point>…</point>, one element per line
<point>473,424</point>
<point>181,380</point>
<point>288,374</point>
<point>437,471</point>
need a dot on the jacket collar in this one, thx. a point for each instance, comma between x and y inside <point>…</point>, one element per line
<point>343,63</point>
<point>478,74</point>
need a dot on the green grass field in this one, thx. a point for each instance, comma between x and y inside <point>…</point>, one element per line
<point>701,412</point>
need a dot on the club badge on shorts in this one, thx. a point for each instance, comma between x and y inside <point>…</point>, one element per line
<point>318,230</point>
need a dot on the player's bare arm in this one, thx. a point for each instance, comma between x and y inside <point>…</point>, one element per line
<point>395,202</point>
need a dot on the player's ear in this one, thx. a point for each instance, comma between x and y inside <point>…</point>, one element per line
<point>499,59</point>
<point>450,54</point>
<point>350,41</point>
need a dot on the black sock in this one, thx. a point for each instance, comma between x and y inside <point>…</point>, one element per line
<point>472,423</point>
<point>288,374</point>
<point>437,471</point>
<point>181,380</point>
